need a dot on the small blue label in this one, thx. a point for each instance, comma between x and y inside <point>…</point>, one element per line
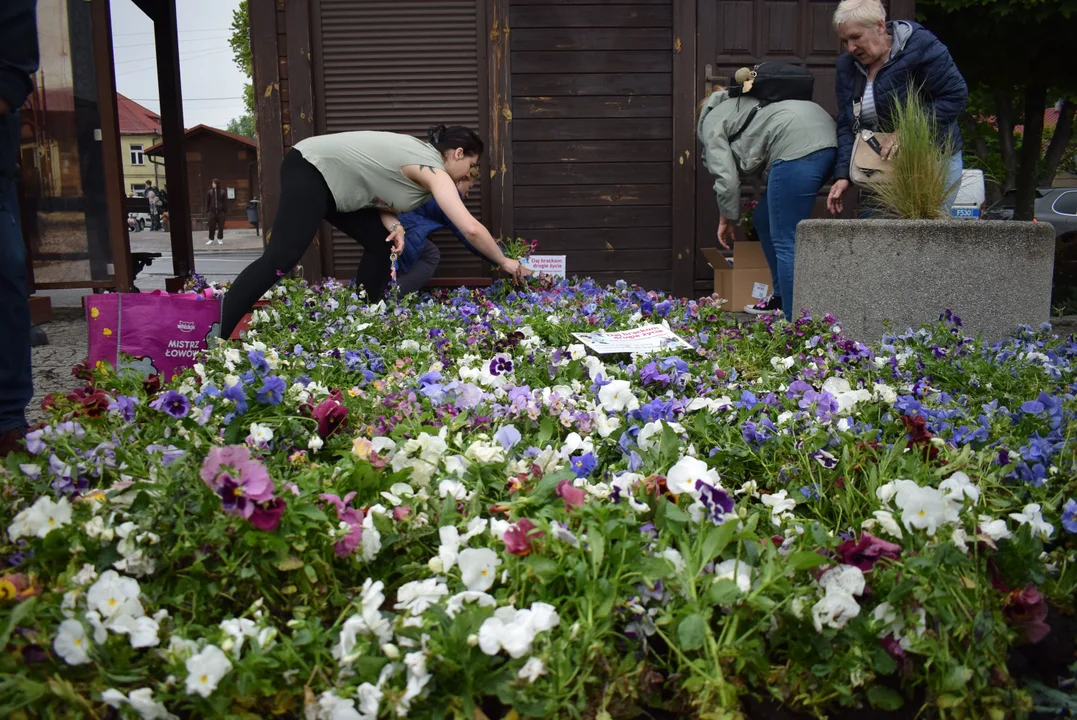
<point>965,213</point>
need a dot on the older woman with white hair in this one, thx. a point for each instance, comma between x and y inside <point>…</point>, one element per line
<point>880,61</point>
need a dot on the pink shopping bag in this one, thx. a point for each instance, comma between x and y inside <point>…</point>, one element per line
<point>154,333</point>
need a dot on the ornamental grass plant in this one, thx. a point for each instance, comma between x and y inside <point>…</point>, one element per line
<point>917,184</point>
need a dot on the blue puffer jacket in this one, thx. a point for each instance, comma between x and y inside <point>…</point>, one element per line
<point>917,56</point>
<point>418,224</point>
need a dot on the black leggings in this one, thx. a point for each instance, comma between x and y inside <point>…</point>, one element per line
<point>305,200</point>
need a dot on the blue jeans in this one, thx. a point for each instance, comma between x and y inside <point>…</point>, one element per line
<point>792,188</point>
<point>16,381</point>
<point>953,179</point>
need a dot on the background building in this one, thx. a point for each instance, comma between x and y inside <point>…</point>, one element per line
<point>140,128</point>
<point>214,153</point>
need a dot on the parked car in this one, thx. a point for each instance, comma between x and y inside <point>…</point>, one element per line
<point>1056,206</point>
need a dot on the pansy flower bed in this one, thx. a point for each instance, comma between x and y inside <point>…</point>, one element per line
<point>443,507</point>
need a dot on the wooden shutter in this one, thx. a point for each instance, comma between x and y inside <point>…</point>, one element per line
<point>401,66</point>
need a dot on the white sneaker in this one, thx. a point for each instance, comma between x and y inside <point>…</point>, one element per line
<point>209,242</point>
<point>220,242</point>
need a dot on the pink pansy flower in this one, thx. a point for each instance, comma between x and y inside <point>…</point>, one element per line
<point>353,517</point>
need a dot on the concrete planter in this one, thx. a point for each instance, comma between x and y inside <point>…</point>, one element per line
<point>995,276</point>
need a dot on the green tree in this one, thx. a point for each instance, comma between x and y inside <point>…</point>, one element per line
<point>241,50</point>
<point>242,125</point>
<point>1017,58</point>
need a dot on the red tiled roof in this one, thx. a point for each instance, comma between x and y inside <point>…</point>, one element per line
<point>156,149</point>
<point>135,119</point>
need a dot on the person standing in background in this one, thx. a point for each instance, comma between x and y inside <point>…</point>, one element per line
<point>216,207</point>
<point>155,212</point>
<point>18,60</point>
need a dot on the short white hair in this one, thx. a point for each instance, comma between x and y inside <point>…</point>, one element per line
<point>866,13</point>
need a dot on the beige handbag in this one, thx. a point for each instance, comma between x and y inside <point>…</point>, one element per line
<point>867,166</point>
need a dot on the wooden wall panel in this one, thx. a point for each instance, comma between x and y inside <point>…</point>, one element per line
<point>592,134</point>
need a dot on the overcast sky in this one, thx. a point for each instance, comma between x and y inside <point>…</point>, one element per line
<point>212,83</point>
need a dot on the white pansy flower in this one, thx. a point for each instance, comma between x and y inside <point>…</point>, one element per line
<point>141,630</point>
<point>315,443</point>
<point>484,452</point>
<point>617,397</point>
<point>478,568</point>
<point>675,558</point>
<point>114,595</point>
<point>682,477</point>
<point>532,670</point>
<point>239,629</point>
<point>86,575</point>
<point>604,425</point>
<point>449,549</point>
<point>417,596</point>
<point>205,670</point>
<point>838,605</point>
<point>141,701</point>
<point>454,489</point>
<point>456,603</point>
<point>779,363</point>
<point>41,518</point>
<point>71,643</point>
<point>886,521</point>
<point>332,707</point>
<point>780,505</point>
<point>736,570</point>
<point>958,487</point>
<point>848,579</point>
<point>1032,517</point>
<point>924,508</point>
<point>994,528</point>
<point>261,433</point>
<point>885,393</point>
<point>97,529</point>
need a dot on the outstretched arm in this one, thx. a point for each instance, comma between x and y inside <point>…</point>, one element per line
<point>438,182</point>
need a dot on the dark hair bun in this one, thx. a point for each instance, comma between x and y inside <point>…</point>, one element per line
<point>448,139</point>
<point>435,132</point>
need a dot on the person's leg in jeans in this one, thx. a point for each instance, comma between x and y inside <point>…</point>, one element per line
<point>304,200</point>
<point>792,191</point>
<point>211,222</point>
<point>953,180</point>
<point>16,380</point>
<point>220,227</point>
<point>761,220</point>
<point>421,271</point>
<point>365,226</point>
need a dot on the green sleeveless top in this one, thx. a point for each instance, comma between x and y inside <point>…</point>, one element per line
<point>363,169</point>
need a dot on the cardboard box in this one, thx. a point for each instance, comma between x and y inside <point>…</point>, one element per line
<point>743,281</point>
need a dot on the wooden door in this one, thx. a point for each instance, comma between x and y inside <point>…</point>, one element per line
<point>742,33</point>
<point>592,134</point>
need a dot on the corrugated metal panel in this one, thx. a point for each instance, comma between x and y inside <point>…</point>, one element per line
<point>402,66</point>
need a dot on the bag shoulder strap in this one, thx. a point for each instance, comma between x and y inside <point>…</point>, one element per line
<point>748,121</point>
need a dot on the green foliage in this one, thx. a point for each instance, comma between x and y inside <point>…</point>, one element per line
<point>242,125</point>
<point>241,38</point>
<point>917,185</point>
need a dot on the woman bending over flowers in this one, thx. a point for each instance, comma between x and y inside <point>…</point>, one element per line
<point>794,143</point>
<point>361,182</point>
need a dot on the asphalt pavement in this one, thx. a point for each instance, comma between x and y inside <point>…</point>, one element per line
<point>217,263</point>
